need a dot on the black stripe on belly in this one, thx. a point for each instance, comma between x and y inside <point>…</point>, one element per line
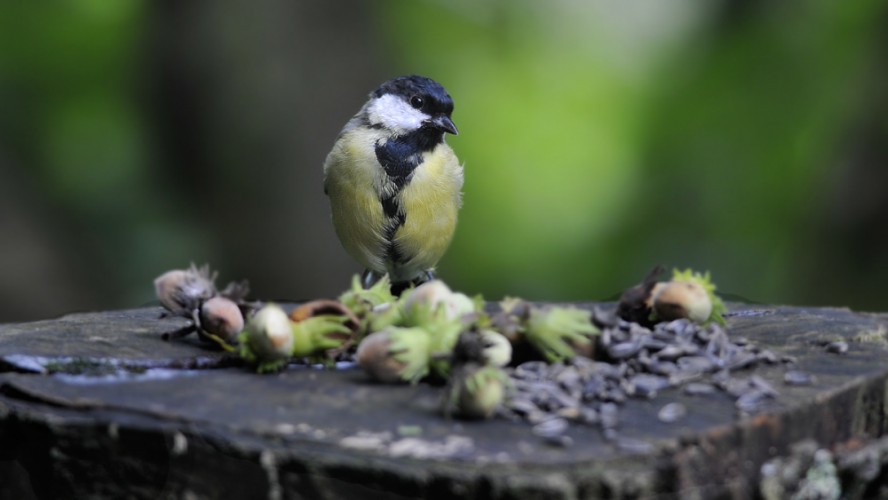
<point>398,160</point>
<point>390,206</point>
<point>399,157</point>
<point>392,253</point>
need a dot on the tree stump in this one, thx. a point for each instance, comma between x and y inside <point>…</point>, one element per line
<point>98,405</point>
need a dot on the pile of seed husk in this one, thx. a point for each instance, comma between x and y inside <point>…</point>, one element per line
<point>638,362</point>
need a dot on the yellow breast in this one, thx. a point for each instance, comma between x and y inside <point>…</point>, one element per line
<point>350,180</point>
<point>429,202</point>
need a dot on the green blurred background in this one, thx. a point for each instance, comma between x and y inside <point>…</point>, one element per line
<point>746,137</point>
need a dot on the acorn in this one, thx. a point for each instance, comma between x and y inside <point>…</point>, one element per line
<point>267,340</point>
<point>182,291</point>
<point>221,318</point>
<point>396,354</point>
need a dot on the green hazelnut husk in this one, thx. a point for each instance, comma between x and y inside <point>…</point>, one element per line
<point>364,303</point>
<point>497,350</point>
<point>425,301</point>
<point>360,300</point>
<point>384,316</point>
<point>556,331</point>
<point>267,339</point>
<point>396,354</point>
<point>320,333</point>
<point>476,391</point>
<point>681,299</point>
<point>510,319</point>
<point>689,295</point>
<point>444,334</point>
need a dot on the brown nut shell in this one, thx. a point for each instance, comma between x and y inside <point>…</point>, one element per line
<point>682,299</point>
<point>221,317</point>
<point>325,307</point>
<point>375,358</point>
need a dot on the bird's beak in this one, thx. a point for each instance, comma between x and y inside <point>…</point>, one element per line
<point>443,122</point>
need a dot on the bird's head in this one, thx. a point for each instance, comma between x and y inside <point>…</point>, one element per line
<point>410,103</point>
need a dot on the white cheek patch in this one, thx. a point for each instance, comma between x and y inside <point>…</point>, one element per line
<point>394,114</point>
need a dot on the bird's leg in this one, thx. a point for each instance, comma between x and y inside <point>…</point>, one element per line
<point>424,277</point>
<point>369,278</point>
<point>399,287</point>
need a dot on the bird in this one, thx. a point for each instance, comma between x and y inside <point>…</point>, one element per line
<point>394,184</point>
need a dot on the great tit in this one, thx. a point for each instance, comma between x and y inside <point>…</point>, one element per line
<point>394,184</point>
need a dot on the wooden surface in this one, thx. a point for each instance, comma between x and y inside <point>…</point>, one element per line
<point>97,404</point>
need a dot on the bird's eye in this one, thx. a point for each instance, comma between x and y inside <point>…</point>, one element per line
<point>416,101</point>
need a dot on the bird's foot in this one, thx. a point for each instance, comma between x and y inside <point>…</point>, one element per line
<point>399,287</point>
<point>369,278</point>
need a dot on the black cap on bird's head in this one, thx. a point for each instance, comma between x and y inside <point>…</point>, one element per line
<point>425,95</point>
